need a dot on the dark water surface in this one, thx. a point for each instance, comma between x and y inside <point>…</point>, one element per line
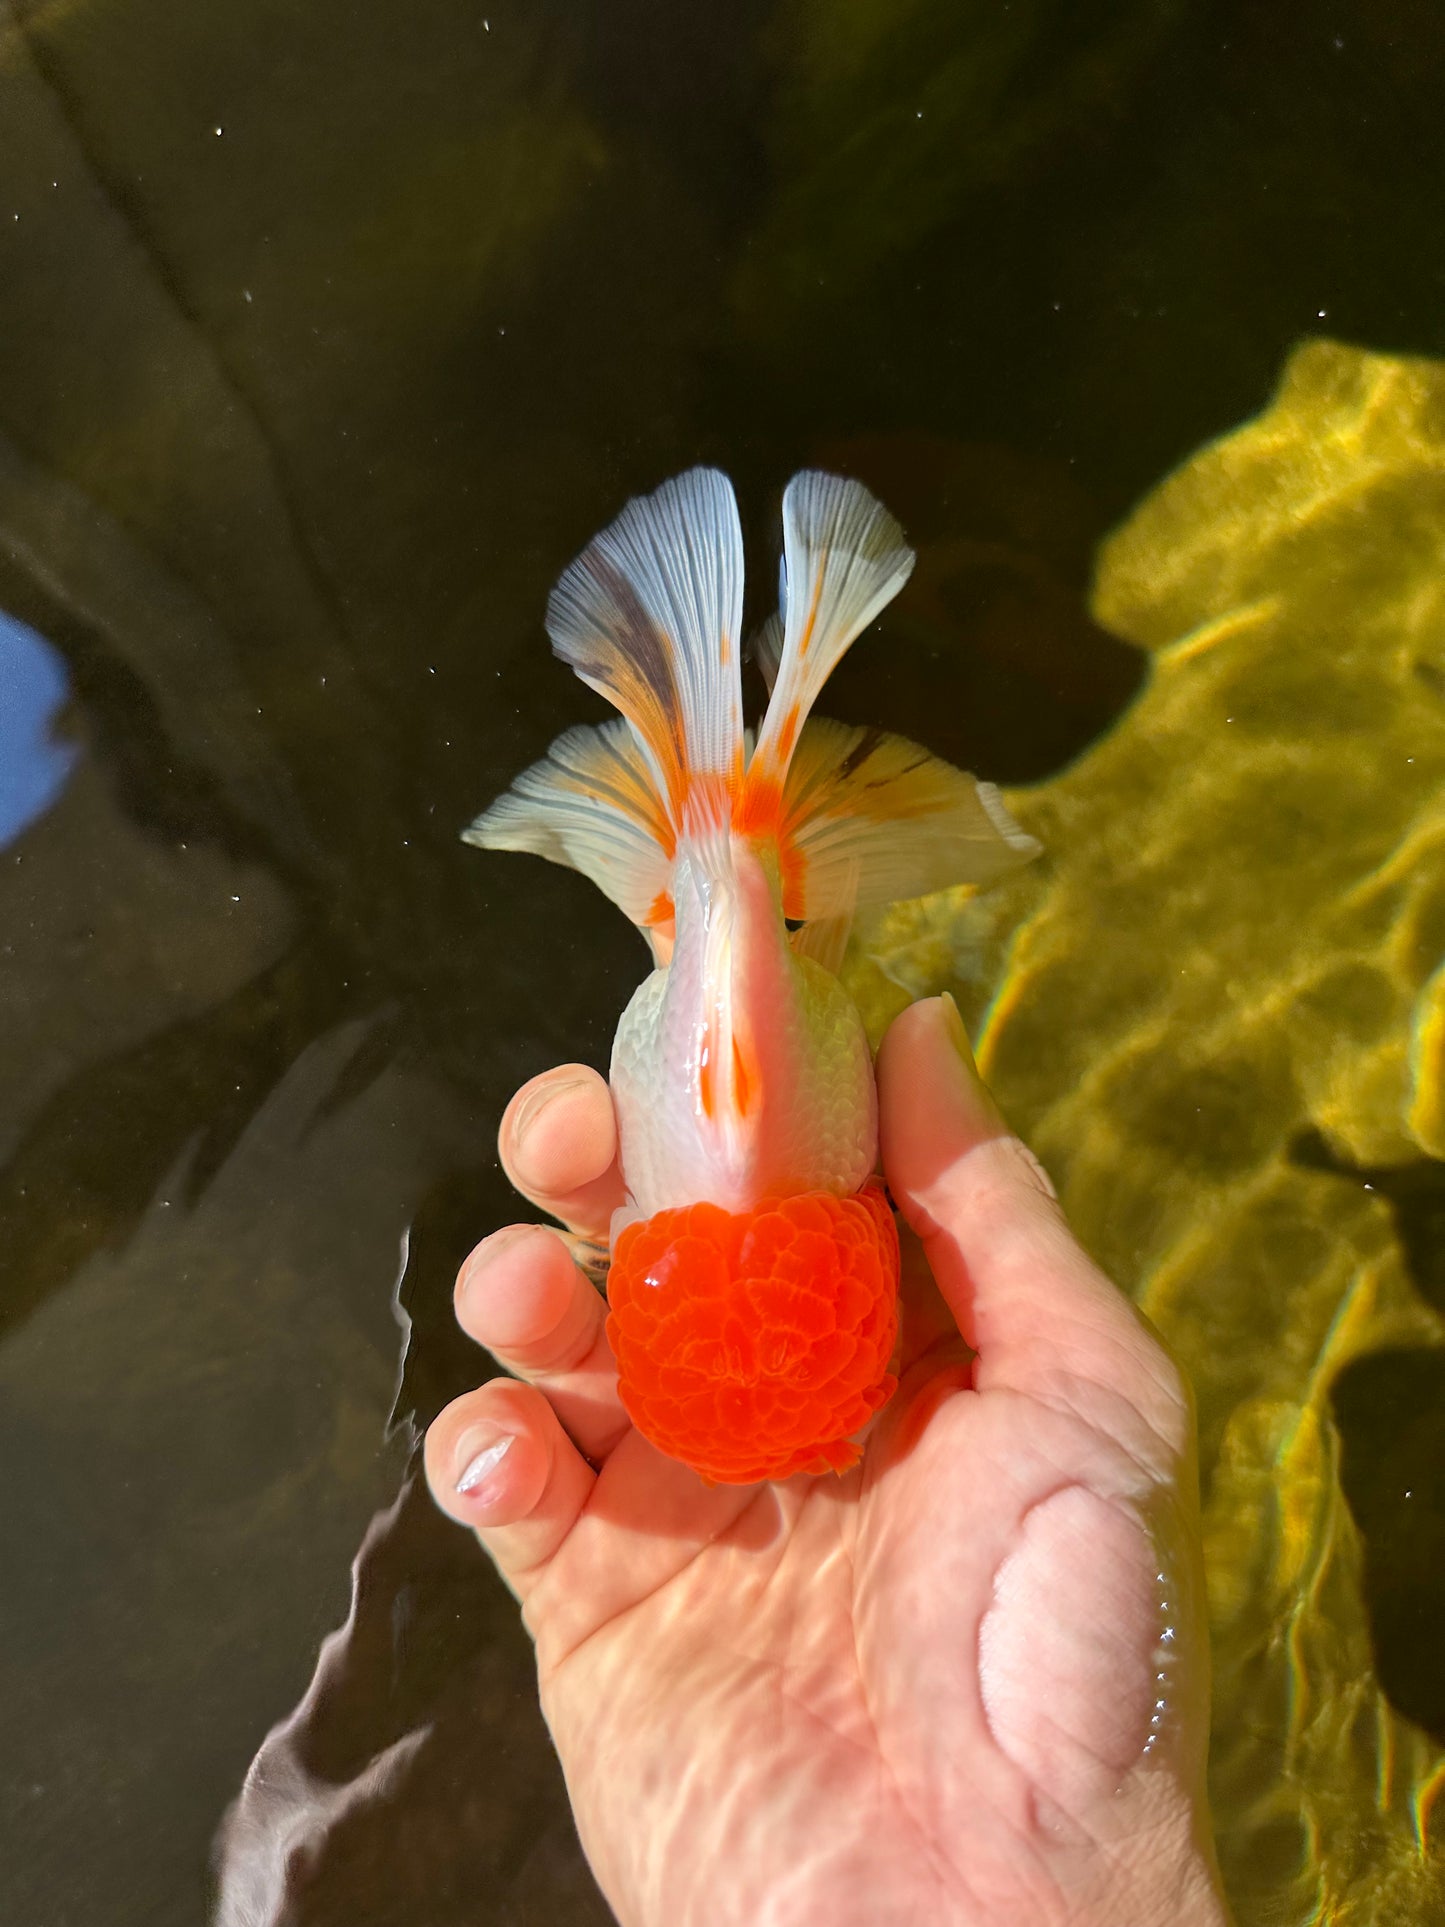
<point>328,334</point>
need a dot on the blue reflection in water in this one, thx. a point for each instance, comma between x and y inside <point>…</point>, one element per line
<point>33,766</point>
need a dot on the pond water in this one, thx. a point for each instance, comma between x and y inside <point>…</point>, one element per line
<point>328,335</point>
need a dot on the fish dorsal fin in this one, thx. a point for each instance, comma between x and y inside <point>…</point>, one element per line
<point>593,804</point>
<point>868,818</point>
<point>844,558</point>
<point>650,614</point>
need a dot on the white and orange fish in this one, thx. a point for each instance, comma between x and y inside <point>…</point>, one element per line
<point>754,1278</point>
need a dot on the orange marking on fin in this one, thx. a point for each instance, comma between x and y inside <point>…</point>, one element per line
<point>652,705</point>
<point>760,814</point>
<point>601,773</point>
<point>808,627</point>
<point>725,649</point>
<point>787,734</point>
<point>660,910</point>
<point>760,808</point>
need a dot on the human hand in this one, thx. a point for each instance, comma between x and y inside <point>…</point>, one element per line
<point>964,1683</point>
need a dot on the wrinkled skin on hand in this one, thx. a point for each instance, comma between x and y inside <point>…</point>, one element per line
<point>963,1683</point>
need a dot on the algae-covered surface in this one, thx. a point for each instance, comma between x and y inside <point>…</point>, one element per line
<point>1215,1010</point>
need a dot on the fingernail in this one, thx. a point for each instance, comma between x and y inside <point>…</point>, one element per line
<point>478,1479</point>
<point>953,1024</point>
<point>536,1103</point>
<point>491,1247</point>
<point>975,1093</point>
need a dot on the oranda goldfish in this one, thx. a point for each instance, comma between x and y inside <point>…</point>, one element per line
<point>754,1279</point>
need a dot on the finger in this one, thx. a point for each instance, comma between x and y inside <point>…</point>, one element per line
<point>925,1322</point>
<point>521,1295</point>
<point>1028,1299</point>
<point>558,1143</point>
<point>649,1518</point>
<point>497,1460</point>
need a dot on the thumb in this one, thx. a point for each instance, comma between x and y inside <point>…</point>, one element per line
<point>1027,1298</point>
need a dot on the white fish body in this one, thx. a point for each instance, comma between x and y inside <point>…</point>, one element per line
<point>741,1070</point>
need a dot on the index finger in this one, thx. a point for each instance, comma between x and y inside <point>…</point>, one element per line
<point>558,1145</point>
<point>1042,1317</point>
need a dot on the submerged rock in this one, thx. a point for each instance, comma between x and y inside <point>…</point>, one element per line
<point>1217,1010</point>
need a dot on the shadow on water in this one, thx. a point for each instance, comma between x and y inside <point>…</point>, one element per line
<point>381,1793</point>
<point>329,337</point>
<point>1390,1411</point>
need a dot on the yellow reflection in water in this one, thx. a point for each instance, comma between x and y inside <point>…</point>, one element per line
<point>1232,952</point>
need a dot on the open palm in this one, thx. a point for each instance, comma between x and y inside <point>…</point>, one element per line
<point>964,1682</point>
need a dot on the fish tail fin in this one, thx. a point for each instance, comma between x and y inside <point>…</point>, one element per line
<point>592,803</point>
<point>650,616</point>
<point>868,818</point>
<point>861,818</point>
<point>844,558</point>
